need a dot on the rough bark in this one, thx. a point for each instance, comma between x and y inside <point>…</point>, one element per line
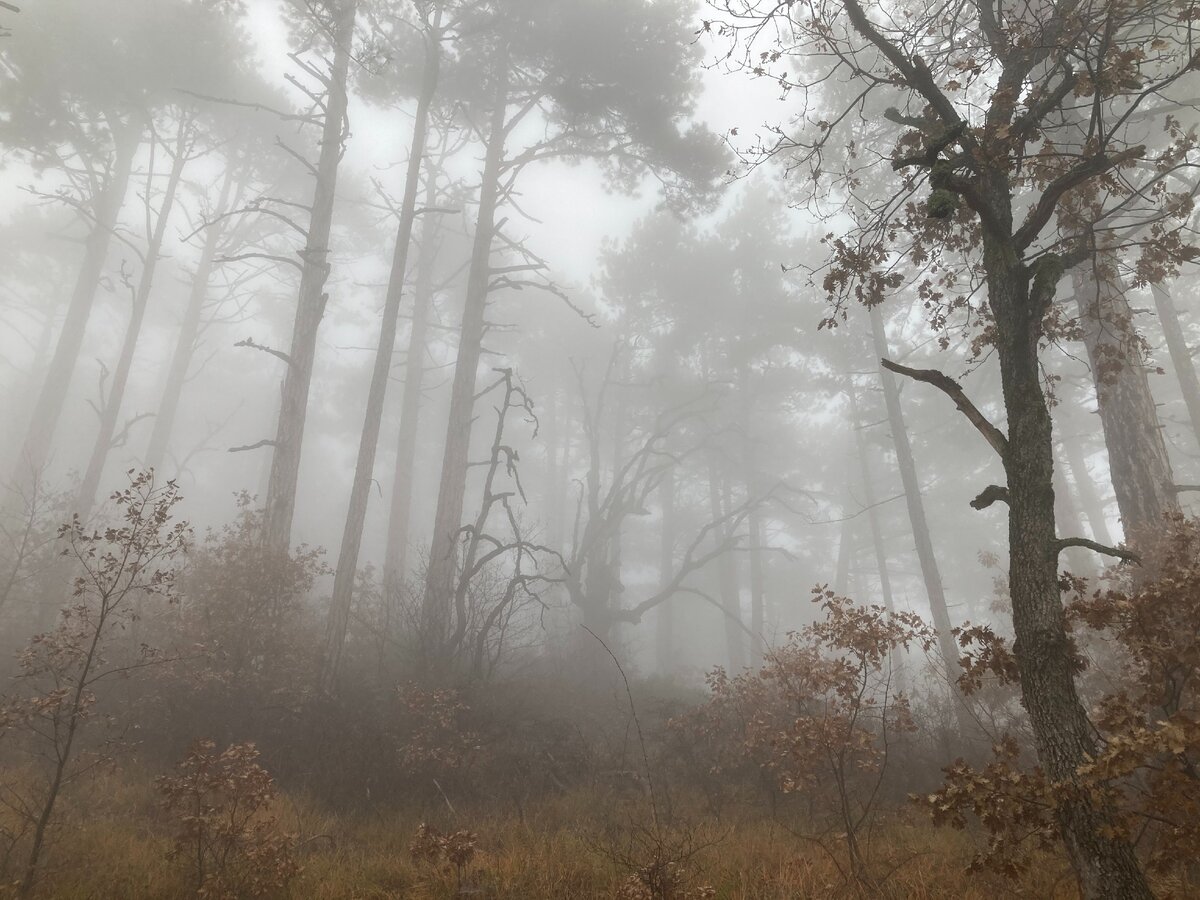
<point>364,470</point>
<point>1065,740</point>
<point>1181,356</point>
<point>39,437</point>
<point>311,299</point>
<point>110,411</point>
<point>185,340</point>
<point>443,553</point>
<point>1137,453</point>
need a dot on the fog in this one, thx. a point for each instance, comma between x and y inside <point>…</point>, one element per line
<point>698,412</point>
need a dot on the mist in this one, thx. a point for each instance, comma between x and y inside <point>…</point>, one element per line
<point>598,448</point>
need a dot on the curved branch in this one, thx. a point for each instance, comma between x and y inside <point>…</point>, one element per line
<point>952,389</point>
<point>1127,555</point>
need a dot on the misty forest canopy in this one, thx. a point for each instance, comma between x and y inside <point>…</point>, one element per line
<point>756,441</point>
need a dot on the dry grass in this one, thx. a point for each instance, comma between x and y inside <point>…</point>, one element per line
<point>114,843</point>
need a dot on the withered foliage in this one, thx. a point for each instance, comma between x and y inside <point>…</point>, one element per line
<point>820,717</point>
<point>1140,640</point>
<point>224,832</point>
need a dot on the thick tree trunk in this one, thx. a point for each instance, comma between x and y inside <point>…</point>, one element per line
<point>110,412</point>
<point>916,514</point>
<point>731,606</point>
<point>1137,453</point>
<point>1064,738</point>
<point>664,622</point>
<point>364,470</point>
<point>35,450</point>
<point>310,303</point>
<point>189,332</point>
<point>1181,356</point>
<point>443,555</point>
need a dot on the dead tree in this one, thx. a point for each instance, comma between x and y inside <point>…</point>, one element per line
<point>336,21</point>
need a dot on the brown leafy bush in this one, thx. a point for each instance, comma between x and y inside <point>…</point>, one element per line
<point>455,849</point>
<point>225,834</point>
<point>1142,636</point>
<point>820,717</point>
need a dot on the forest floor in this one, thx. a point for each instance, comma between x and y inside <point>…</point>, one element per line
<point>573,846</point>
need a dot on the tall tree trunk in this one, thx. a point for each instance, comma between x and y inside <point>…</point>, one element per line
<point>664,622</point>
<point>754,522</point>
<point>443,555</point>
<point>1181,356</point>
<point>1137,453</point>
<point>916,515</point>
<point>1065,740</point>
<point>311,299</point>
<point>550,430</point>
<point>847,537</point>
<point>48,410</point>
<point>868,486</point>
<point>110,412</point>
<point>1065,509</point>
<point>1085,487</point>
<point>364,470</point>
<point>189,332</point>
<point>731,605</point>
<point>395,566</point>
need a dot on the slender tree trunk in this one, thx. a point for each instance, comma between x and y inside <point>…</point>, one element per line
<point>916,515</point>
<point>1067,512</point>
<point>364,470</point>
<point>1085,487</point>
<point>846,538</point>
<point>864,463</point>
<point>754,523</point>
<point>1137,453</point>
<point>1064,738</point>
<point>664,623</point>
<point>189,332</point>
<point>311,300</point>
<point>47,411</point>
<point>1181,356</point>
<point>395,566</point>
<point>443,556</point>
<point>731,606</point>
<point>550,429</point>
<point>111,410</point>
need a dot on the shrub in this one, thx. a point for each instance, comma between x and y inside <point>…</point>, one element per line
<point>225,834</point>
